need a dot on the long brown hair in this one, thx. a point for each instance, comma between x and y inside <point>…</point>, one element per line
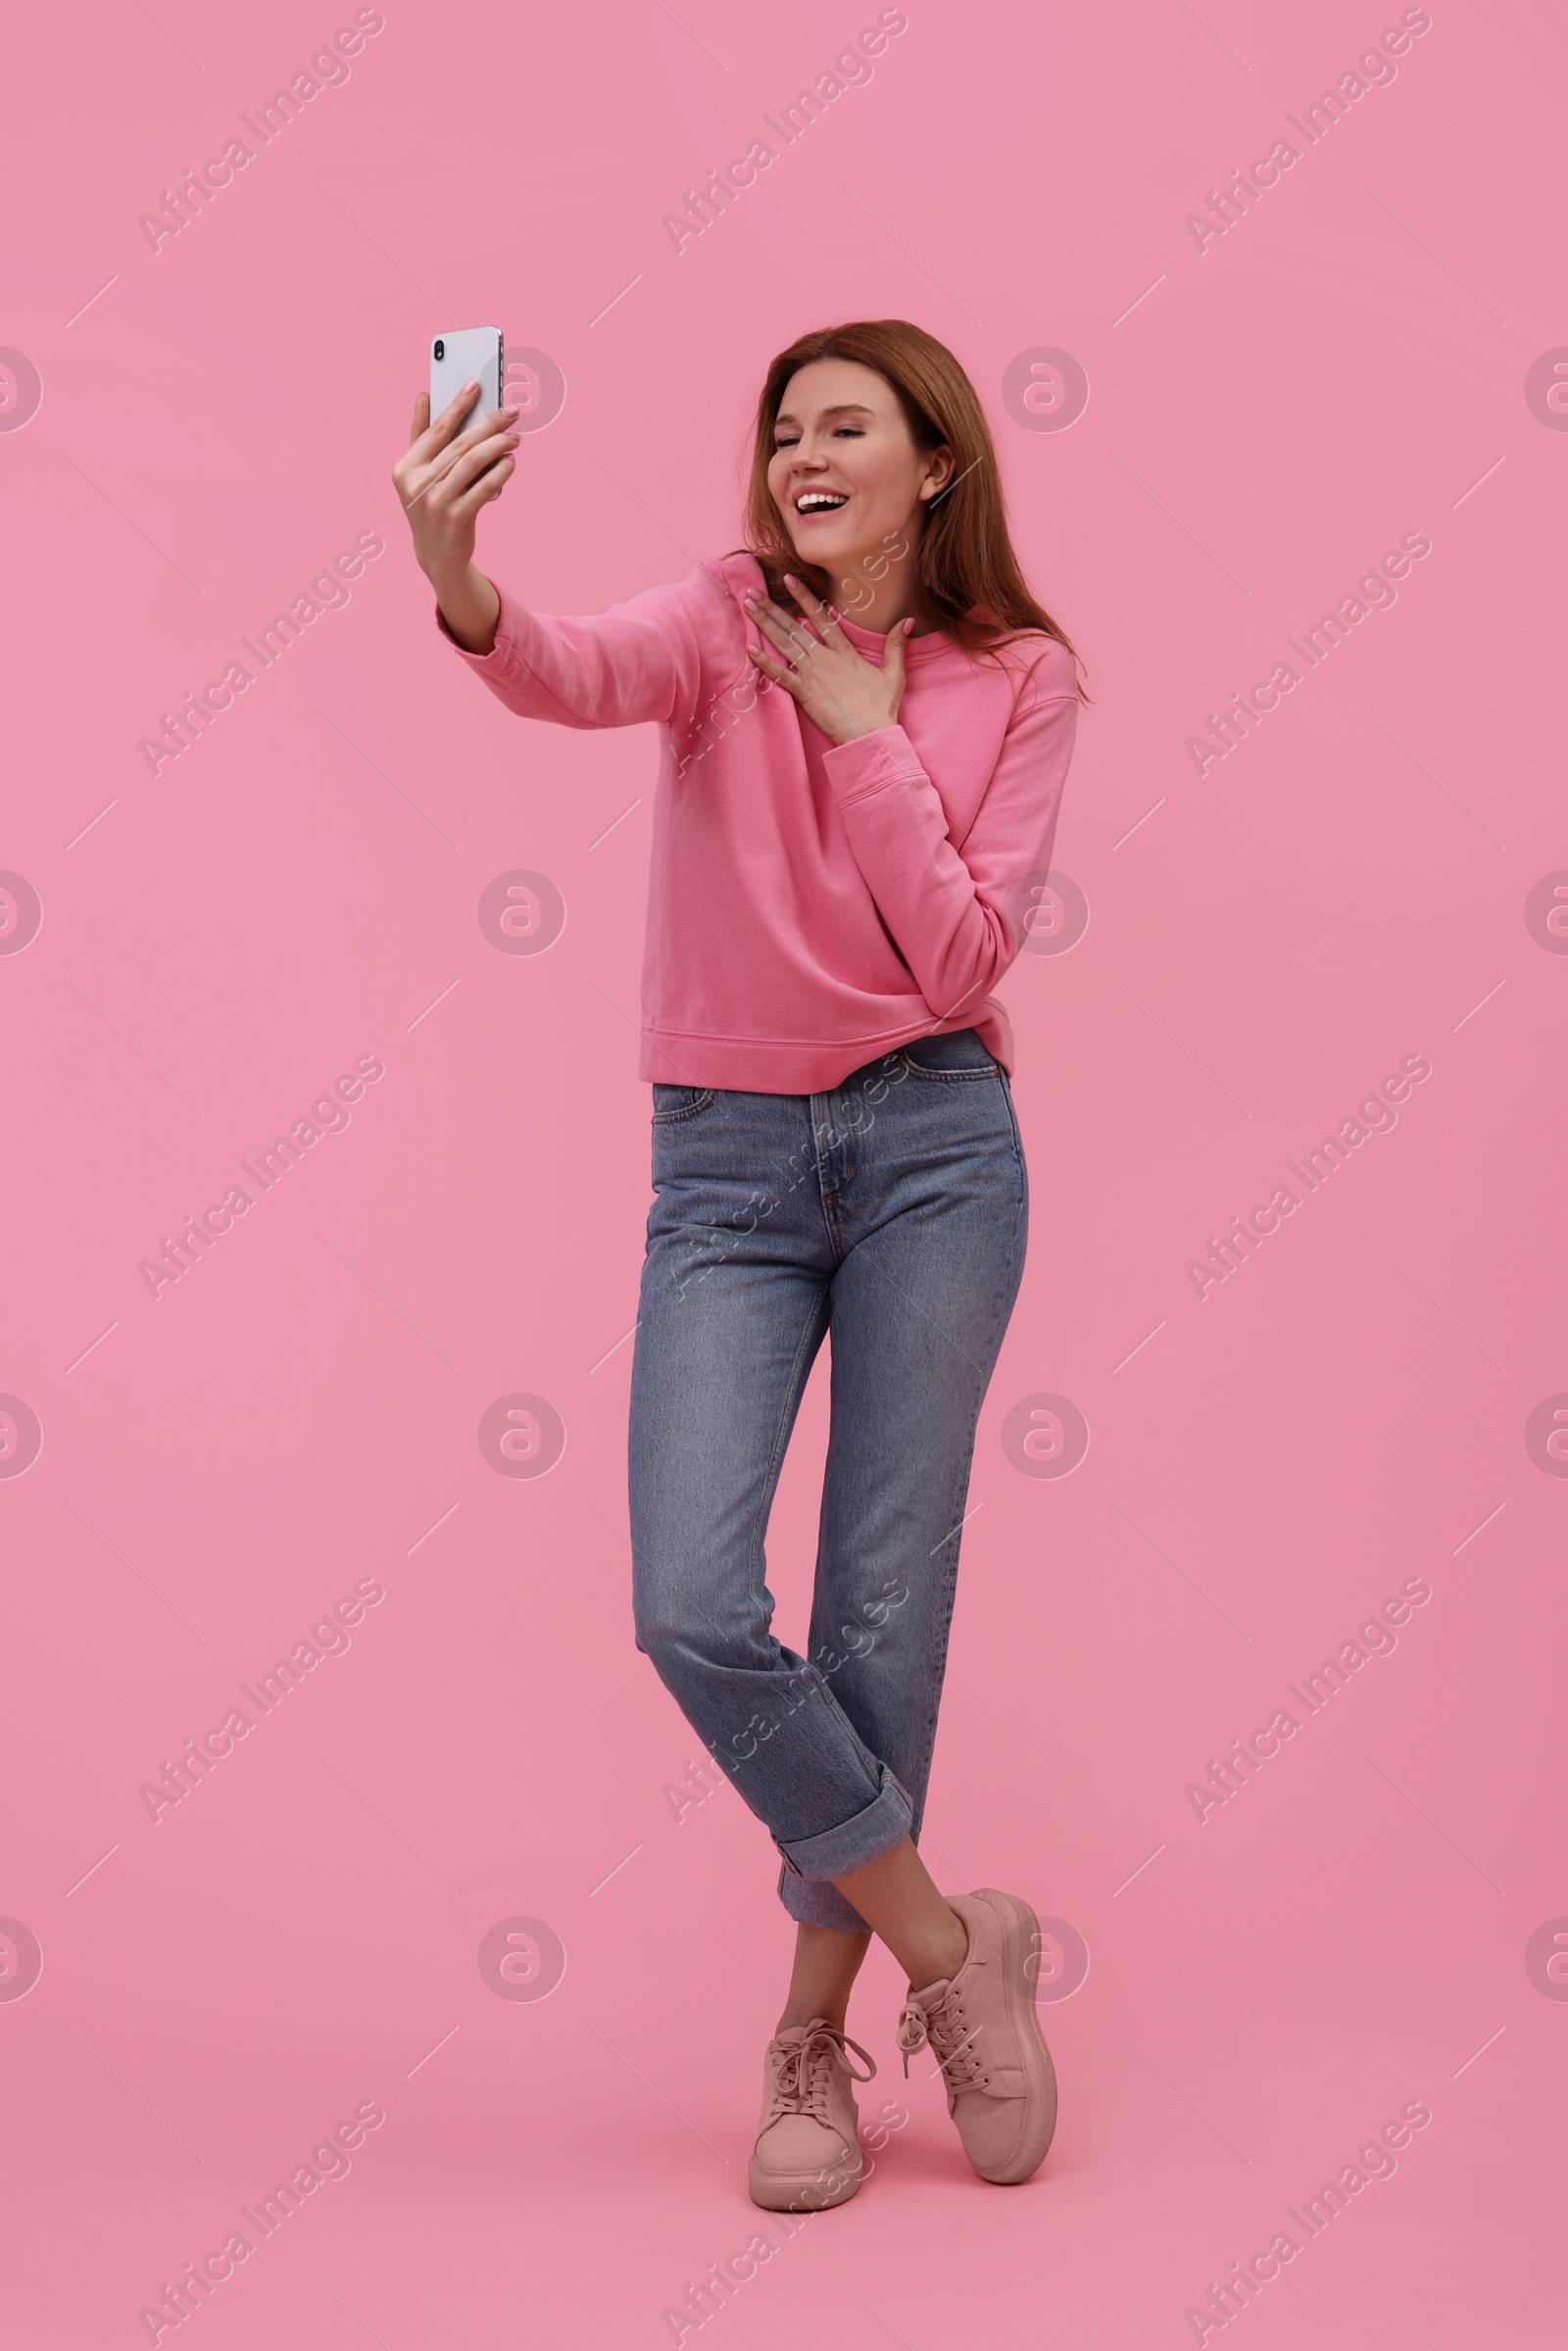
<point>970,583</point>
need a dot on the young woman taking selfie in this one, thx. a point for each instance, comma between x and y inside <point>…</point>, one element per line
<point>866,721</point>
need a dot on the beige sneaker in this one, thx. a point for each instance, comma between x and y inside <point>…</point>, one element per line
<point>808,2152</point>
<point>982,2029</point>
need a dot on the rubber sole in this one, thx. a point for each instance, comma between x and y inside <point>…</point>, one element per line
<point>817,2192</point>
<point>1020,1961</point>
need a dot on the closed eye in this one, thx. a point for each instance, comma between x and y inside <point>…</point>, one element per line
<point>856,432</point>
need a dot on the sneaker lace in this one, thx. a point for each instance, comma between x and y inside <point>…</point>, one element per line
<point>806,2068</point>
<point>944,2031</point>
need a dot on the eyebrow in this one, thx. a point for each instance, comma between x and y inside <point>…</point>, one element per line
<point>845,407</point>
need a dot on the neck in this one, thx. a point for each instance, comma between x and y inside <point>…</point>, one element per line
<point>878,590</point>
<point>881,605</point>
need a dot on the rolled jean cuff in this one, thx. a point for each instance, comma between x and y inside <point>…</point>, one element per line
<point>885,1823</point>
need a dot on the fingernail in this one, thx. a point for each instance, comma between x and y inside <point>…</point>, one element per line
<point>472,384</point>
<point>510,413</point>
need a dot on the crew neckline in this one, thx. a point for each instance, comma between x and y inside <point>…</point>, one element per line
<point>916,649</point>
<point>865,640</point>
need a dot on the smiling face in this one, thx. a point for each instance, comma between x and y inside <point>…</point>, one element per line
<point>844,474</point>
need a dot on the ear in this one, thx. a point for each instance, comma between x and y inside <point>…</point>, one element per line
<point>939,472</point>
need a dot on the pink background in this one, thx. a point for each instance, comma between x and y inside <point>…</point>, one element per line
<point>1267,416</point>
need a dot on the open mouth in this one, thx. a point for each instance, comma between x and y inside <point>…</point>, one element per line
<point>821,501</point>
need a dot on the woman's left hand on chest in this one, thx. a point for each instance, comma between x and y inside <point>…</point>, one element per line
<point>835,685</point>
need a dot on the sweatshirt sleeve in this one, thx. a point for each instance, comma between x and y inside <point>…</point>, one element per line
<point>956,911</point>
<point>651,658</point>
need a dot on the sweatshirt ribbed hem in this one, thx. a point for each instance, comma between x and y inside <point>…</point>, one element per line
<point>768,1065</point>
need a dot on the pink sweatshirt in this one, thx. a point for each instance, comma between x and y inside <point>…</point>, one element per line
<point>811,905</point>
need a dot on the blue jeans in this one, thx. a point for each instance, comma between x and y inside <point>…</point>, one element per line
<point>894,1211</point>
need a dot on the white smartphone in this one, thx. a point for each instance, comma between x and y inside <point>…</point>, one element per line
<point>456,359</point>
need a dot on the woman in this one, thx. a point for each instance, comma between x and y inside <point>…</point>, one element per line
<point>852,814</point>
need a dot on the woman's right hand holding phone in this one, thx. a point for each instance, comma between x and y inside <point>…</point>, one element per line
<point>446,475</point>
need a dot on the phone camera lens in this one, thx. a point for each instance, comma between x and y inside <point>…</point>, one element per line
<point>440,348</point>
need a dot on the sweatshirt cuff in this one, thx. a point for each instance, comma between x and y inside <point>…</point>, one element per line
<point>870,763</point>
<point>504,656</point>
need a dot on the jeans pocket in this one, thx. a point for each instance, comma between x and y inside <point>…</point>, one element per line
<point>956,1055</point>
<point>672,1103</point>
